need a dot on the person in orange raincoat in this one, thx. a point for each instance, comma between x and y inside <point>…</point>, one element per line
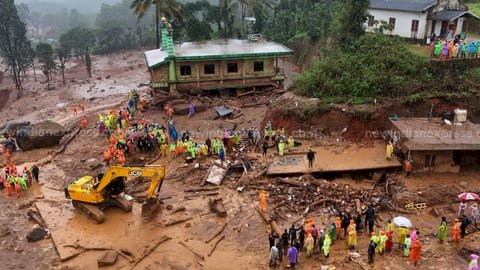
<point>74,110</point>
<point>415,252</point>
<point>18,188</point>
<point>107,156</point>
<point>338,224</point>
<point>144,104</point>
<point>113,140</point>
<point>82,106</point>
<point>7,156</point>
<point>456,230</point>
<point>121,157</point>
<point>83,122</point>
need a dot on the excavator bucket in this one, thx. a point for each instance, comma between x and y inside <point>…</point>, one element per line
<point>150,207</point>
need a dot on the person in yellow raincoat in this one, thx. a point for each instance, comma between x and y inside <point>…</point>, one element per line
<point>376,239</point>
<point>290,143</point>
<point>402,234</point>
<point>309,245</point>
<point>389,150</point>
<point>381,245</point>
<point>352,237</point>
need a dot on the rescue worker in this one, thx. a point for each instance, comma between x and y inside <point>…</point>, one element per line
<point>281,148</point>
<point>352,238</point>
<point>389,150</point>
<point>83,122</point>
<point>107,156</point>
<point>376,239</point>
<point>389,242</point>
<point>163,150</point>
<point>456,230</point>
<point>333,232</point>
<point>121,157</point>
<point>22,181</point>
<point>371,251</point>
<point>407,244</point>
<point>74,110</point>
<point>326,245</point>
<point>309,245</point>
<point>382,242</point>
<point>18,188</point>
<point>8,185</point>
<point>291,143</point>
<point>415,253</point>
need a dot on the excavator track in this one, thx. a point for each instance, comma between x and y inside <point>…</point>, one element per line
<point>91,210</point>
<point>123,203</point>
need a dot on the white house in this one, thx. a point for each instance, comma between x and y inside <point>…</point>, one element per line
<point>419,19</point>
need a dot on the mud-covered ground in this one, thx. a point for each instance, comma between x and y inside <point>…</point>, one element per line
<point>245,245</point>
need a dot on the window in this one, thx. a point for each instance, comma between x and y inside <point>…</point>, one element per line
<point>185,70</point>
<point>257,66</point>
<point>371,20</point>
<point>430,161</point>
<point>209,69</point>
<point>414,26</point>
<point>232,68</point>
<point>391,21</point>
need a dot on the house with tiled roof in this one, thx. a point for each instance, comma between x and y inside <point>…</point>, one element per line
<point>420,19</point>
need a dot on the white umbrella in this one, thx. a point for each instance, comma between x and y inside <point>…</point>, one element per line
<point>468,196</point>
<point>402,221</point>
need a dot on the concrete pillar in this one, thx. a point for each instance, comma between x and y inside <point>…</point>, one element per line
<point>460,25</point>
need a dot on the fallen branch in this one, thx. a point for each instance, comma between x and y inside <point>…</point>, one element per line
<point>181,208</point>
<point>177,221</point>
<point>217,233</point>
<point>150,250</point>
<point>192,251</point>
<point>200,189</point>
<point>201,194</point>
<point>358,263</point>
<point>82,250</point>
<point>126,257</point>
<point>215,245</point>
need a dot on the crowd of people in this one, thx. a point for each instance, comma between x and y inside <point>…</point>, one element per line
<point>12,180</point>
<point>313,240</point>
<point>454,48</point>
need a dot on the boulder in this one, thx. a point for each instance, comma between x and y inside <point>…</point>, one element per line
<point>36,234</point>
<point>109,258</point>
<point>40,135</point>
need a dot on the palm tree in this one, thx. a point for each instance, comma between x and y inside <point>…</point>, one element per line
<point>170,9</point>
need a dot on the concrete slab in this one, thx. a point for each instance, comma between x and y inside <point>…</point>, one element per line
<point>353,158</point>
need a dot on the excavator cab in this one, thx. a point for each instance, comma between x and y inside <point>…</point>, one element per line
<point>94,194</point>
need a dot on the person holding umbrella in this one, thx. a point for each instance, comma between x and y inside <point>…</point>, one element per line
<point>462,208</point>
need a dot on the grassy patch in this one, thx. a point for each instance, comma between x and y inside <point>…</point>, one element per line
<point>422,51</point>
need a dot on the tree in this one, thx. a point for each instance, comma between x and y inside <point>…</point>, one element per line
<point>349,22</point>
<point>110,37</point>
<point>62,57</point>
<point>88,62</point>
<point>14,46</point>
<point>171,9</point>
<point>78,40</point>
<point>45,57</point>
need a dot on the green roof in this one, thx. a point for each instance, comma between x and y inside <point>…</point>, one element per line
<point>213,50</point>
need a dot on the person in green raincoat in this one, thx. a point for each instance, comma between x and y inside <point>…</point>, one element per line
<point>438,49</point>
<point>376,239</point>
<point>383,239</point>
<point>172,149</point>
<point>442,230</point>
<point>291,143</point>
<point>23,182</point>
<point>191,150</point>
<point>407,245</point>
<point>333,232</point>
<point>281,148</point>
<point>326,245</point>
<point>217,146</point>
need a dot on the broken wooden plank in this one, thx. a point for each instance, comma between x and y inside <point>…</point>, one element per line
<point>201,189</point>
<point>215,245</point>
<point>192,251</point>
<point>150,250</point>
<point>217,233</point>
<point>171,223</point>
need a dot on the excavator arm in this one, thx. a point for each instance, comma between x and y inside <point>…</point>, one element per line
<point>155,173</point>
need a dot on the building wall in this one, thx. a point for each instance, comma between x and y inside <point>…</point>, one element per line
<point>443,161</point>
<point>448,4</point>
<point>245,76</point>
<point>403,22</point>
<point>160,74</point>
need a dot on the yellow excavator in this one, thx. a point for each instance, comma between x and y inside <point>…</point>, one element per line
<point>92,195</point>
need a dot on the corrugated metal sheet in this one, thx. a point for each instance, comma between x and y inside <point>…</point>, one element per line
<point>223,111</point>
<point>403,5</point>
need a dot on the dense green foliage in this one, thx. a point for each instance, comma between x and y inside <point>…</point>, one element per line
<point>44,53</point>
<point>14,46</point>
<point>377,65</point>
<point>348,23</point>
